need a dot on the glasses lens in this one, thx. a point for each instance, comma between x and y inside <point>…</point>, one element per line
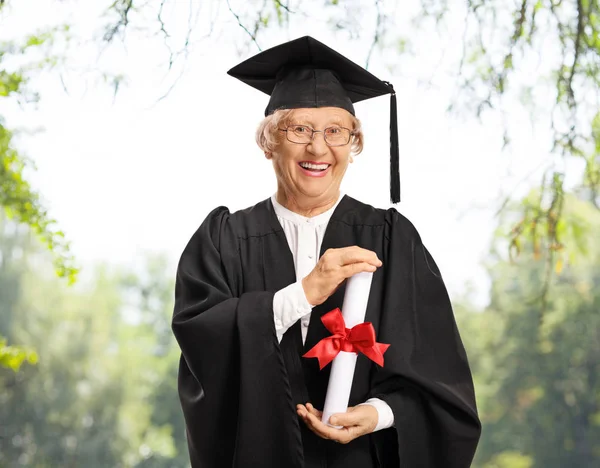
<point>299,134</point>
<point>337,136</point>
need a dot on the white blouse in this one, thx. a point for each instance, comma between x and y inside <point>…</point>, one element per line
<point>305,236</point>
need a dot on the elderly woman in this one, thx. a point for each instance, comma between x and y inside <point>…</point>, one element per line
<point>252,287</point>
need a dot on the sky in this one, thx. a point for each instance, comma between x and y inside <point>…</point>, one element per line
<point>130,174</point>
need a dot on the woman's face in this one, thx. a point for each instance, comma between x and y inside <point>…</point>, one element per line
<point>306,185</point>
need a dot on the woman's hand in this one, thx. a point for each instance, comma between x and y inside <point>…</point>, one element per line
<point>358,421</point>
<point>333,268</point>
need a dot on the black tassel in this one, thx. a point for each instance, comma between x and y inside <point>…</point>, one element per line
<point>394,151</point>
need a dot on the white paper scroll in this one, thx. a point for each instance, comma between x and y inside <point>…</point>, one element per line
<point>354,309</point>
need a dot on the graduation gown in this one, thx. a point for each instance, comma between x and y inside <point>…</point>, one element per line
<point>238,385</point>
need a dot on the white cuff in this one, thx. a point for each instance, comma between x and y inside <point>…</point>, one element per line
<point>386,415</point>
<point>289,305</point>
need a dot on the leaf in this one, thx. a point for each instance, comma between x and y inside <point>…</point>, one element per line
<point>558,267</point>
<point>12,357</point>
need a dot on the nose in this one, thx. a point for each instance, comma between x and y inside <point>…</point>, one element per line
<point>317,145</point>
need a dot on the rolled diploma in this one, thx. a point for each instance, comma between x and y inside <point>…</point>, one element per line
<point>354,309</point>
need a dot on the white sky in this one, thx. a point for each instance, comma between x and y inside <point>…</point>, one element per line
<point>131,176</point>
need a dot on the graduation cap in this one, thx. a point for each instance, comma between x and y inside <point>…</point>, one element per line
<point>306,73</point>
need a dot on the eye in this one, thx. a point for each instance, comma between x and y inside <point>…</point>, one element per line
<point>333,130</point>
<point>301,129</point>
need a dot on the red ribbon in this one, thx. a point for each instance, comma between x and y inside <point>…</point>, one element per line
<point>360,338</point>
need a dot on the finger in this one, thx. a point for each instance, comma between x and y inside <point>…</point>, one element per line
<point>355,421</point>
<point>346,419</point>
<point>323,430</point>
<point>311,409</point>
<point>301,410</point>
<point>366,255</point>
<point>357,254</point>
<point>349,270</point>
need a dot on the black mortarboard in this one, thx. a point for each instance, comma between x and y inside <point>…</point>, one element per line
<point>306,73</point>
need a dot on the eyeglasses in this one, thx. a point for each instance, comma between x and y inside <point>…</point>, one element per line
<point>302,134</point>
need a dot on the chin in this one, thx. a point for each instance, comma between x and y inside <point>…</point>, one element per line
<point>316,192</point>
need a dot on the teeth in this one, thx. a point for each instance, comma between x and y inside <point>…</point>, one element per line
<point>320,167</point>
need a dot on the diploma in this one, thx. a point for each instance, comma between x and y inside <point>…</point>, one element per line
<point>354,309</point>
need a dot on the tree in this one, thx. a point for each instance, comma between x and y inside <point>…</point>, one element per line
<point>500,40</point>
<point>17,198</point>
<point>538,398</point>
<point>150,292</point>
<point>12,245</point>
<point>104,393</point>
<point>499,43</point>
<point>537,369</point>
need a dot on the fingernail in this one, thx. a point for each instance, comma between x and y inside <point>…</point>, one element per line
<point>333,421</point>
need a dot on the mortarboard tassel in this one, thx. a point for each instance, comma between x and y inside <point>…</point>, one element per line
<point>394,152</point>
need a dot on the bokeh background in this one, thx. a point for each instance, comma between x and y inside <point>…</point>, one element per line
<point>120,131</point>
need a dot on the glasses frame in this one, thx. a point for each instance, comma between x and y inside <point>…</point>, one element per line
<point>351,133</point>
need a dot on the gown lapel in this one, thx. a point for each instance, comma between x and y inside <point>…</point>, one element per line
<point>334,237</point>
<point>307,382</point>
<point>279,272</point>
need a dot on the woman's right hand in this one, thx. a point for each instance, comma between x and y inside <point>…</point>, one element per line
<point>334,266</point>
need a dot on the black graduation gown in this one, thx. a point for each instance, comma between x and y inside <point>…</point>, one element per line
<point>238,386</point>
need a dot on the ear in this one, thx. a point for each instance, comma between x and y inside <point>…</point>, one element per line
<point>268,154</point>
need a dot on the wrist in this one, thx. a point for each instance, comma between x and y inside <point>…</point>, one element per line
<point>307,289</point>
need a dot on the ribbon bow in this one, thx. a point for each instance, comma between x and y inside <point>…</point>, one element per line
<point>360,338</point>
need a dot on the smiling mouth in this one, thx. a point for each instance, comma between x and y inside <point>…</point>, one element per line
<point>318,167</point>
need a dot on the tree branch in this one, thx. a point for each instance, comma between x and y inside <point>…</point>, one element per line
<point>165,32</point>
<point>252,35</point>
<point>110,34</point>
<point>378,32</point>
<point>517,34</point>
<point>160,20</point>
<point>285,7</point>
<point>578,36</point>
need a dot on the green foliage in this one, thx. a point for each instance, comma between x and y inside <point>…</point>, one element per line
<point>509,460</point>
<point>10,83</point>
<point>279,10</point>
<point>19,200</point>
<point>592,165</point>
<point>12,357</point>
<point>23,204</point>
<point>542,219</point>
<point>500,39</point>
<point>537,365</point>
<point>104,393</point>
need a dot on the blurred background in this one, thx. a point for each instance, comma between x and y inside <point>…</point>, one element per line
<point>120,131</point>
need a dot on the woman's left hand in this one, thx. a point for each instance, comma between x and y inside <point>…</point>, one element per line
<point>358,421</point>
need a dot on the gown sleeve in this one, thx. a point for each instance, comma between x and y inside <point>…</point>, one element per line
<point>426,379</point>
<point>232,384</point>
